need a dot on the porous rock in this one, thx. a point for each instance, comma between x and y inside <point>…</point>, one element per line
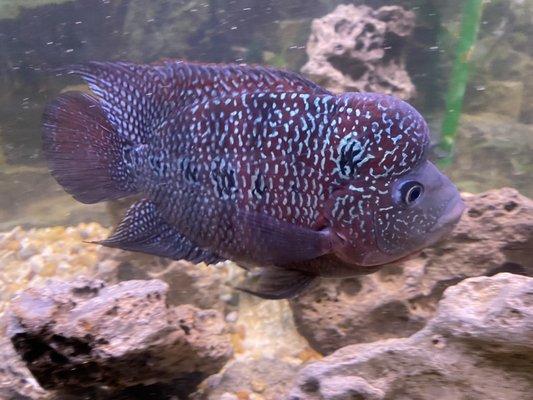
<point>494,235</point>
<point>478,346</point>
<point>357,48</point>
<point>16,382</point>
<point>84,334</point>
<point>264,378</point>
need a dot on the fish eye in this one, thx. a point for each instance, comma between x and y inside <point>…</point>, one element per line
<point>411,192</point>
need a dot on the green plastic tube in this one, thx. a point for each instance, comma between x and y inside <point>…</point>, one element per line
<point>470,20</point>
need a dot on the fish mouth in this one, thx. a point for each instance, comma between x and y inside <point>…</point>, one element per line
<point>453,210</point>
<point>447,222</point>
<point>452,214</point>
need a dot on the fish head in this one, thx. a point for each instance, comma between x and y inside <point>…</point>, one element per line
<point>390,201</point>
<point>426,206</point>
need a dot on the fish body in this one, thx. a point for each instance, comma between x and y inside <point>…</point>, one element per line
<point>251,164</point>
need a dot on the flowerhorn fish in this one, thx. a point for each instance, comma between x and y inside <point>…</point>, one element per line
<point>251,164</point>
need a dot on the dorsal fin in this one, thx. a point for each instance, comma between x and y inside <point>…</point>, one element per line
<point>138,98</point>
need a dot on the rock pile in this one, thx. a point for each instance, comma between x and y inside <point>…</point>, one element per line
<point>479,345</point>
<point>85,335</point>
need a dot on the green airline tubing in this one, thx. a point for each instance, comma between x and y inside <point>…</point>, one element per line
<point>470,20</point>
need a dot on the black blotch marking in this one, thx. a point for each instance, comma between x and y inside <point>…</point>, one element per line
<point>189,170</point>
<point>510,206</point>
<point>157,163</point>
<point>259,186</point>
<point>126,155</point>
<point>350,155</point>
<point>225,180</point>
<point>311,385</point>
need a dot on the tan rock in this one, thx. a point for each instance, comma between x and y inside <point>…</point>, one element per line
<point>265,378</point>
<point>478,346</point>
<point>494,235</point>
<point>84,334</point>
<point>348,51</point>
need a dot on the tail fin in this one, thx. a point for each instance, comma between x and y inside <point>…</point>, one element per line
<point>85,153</point>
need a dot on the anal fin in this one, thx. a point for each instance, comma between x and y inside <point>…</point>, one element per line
<point>276,283</point>
<point>144,230</point>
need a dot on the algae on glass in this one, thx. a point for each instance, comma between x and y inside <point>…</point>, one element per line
<point>12,8</point>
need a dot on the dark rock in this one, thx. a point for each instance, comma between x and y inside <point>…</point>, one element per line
<point>16,382</point>
<point>494,235</point>
<point>479,345</point>
<point>84,336</point>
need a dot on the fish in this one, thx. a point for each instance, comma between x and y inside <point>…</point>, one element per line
<point>252,164</point>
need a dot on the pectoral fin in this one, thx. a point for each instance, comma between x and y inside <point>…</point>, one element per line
<point>276,283</point>
<point>270,241</point>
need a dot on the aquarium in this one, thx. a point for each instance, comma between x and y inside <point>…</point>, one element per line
<point>266,199</point>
